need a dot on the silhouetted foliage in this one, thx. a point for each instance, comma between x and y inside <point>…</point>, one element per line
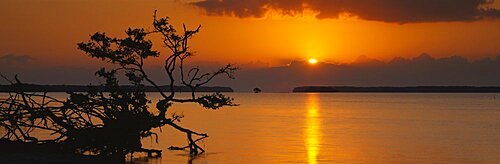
<point>257,90</point>
<point>112,123</point>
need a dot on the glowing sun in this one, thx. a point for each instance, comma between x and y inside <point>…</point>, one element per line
<point>312,61</point>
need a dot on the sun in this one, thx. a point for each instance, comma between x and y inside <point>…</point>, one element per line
<point>312,61</point>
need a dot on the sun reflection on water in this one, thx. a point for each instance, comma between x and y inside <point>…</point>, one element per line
<point>312,129</point>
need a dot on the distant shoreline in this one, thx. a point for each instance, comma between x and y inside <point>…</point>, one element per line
<point>415,89</point>
<point>82,88</point>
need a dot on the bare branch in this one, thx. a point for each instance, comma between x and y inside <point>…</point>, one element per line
<point>89,119</point>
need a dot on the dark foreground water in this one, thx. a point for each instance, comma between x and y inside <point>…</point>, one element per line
<point>343,128</point>
<point>340,128</point>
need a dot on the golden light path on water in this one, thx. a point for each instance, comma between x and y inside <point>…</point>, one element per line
<point>312,129</point>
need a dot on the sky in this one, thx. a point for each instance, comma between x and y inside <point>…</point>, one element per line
<point>39,37</point>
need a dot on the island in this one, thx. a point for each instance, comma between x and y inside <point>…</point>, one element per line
<point>82,88</point>
<point>414,89</point>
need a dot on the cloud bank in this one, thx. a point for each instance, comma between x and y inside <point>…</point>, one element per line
<point>423,70</point>
<point>394,11</point>
<point>14,59</point>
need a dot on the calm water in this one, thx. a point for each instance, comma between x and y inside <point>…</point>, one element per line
<point>343,128</point>
<point>340,128</point>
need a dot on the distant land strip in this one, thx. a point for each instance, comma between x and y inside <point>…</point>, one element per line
<point>82,88</point>
<point>416,89</point>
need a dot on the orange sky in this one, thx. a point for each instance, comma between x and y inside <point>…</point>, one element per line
<point>49,30</point>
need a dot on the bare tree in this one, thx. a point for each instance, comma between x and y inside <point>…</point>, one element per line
<point>113,122</point>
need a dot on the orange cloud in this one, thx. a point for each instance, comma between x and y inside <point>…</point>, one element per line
<point>394,11</point>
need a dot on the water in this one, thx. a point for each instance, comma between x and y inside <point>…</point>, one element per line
<point>342,128</point>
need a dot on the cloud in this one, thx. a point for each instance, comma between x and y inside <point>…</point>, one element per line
<point>14,59</point>
<point>418,71</point>
<point>394,11</point>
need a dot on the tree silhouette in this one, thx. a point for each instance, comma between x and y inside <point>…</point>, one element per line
<point>112,123</point>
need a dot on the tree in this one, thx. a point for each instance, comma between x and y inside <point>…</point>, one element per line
<point>112,123</point>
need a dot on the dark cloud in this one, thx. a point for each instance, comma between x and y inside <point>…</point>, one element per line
<point>421,70</point>
<point>14,59</point>
<point>396,11</point>
<point>365,71</point>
